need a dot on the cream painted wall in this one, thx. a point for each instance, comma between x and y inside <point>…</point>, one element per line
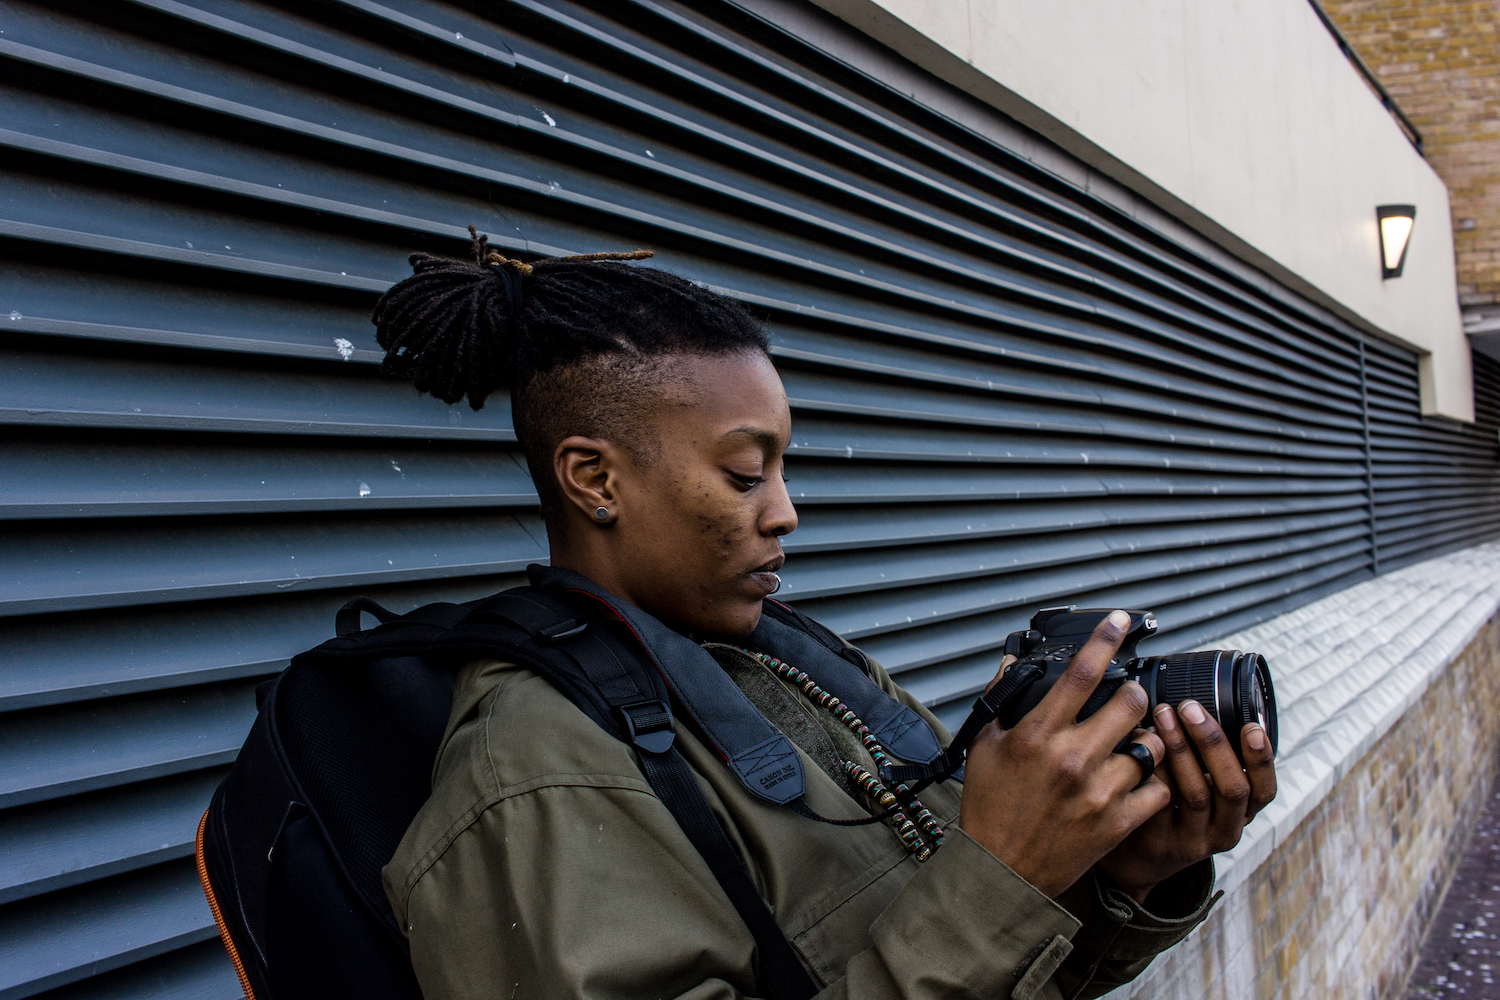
<point>1240,117</point>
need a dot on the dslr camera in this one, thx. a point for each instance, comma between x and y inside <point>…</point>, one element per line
<point>1234,687</point>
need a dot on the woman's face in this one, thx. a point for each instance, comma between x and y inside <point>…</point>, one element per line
<point>695,528</point>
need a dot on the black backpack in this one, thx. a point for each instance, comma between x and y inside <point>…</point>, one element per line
<point>339,761</point>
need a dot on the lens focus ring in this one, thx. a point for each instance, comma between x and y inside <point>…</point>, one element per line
<point>1181,676</point>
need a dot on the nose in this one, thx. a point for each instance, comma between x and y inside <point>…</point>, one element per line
<point>779,517</point>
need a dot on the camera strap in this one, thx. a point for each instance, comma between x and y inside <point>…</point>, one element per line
<point>986,709</point>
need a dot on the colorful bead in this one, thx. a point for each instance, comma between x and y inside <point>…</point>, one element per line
<point>921,837</point>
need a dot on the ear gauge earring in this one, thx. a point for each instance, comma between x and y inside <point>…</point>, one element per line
<point>601,513</point>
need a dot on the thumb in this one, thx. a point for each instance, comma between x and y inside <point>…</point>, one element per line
<point>1005,662</point>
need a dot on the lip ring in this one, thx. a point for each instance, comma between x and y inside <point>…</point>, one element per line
<point>778,584</point>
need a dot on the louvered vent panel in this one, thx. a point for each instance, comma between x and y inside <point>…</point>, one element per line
<point>1006,393</point>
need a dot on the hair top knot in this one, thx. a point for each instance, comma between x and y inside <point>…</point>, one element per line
<point>466,328</point>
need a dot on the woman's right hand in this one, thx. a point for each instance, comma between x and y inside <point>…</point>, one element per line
<point>1050,797</point>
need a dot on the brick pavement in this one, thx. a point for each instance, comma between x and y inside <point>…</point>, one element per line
<point>1462,951</point>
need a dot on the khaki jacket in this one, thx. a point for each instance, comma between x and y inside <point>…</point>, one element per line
<point>543,866</point>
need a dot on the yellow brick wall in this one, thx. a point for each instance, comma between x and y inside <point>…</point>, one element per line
<point>1338,911</point>
<point>1440,60</point>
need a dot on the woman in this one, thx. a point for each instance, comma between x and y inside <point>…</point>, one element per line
<point>543,866</point>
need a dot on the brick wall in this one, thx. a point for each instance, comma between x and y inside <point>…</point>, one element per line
<point>1339,907</point>
<point>1440,60</point>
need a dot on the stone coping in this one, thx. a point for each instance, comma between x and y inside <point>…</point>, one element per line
<point>1346,668</point>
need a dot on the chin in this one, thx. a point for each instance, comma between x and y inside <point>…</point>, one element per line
<point>731,621</point>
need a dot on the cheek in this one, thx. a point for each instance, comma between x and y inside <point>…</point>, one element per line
<point>721,520</point>
<point>720,533</point>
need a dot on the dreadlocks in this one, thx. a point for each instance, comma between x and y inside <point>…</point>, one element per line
<point>583,343</point>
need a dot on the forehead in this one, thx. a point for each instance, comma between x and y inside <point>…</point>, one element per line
<point>734,394</point>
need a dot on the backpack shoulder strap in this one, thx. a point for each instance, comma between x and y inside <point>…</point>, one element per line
<point>789,635</point>
<point>816,630</point>
<point>600,673</point>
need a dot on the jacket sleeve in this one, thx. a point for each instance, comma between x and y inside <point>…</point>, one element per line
<point>585,890</point>
<point>1120,937</point>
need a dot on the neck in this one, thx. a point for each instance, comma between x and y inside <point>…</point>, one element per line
<point>596,562</point>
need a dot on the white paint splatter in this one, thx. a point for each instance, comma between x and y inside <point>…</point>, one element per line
<point>364,489</point>
<point>548,119</point>
<point>345,348</point>
<point>395,466</point>
<point>14,315</point>
<point>650,154</point>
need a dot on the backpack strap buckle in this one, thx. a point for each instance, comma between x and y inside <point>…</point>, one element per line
<point>563,630</point>
<point>648,725</point>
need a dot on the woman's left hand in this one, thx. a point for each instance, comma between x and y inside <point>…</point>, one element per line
<point>1207,812</point>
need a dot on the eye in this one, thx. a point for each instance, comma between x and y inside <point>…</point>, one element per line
<point>747,482</point>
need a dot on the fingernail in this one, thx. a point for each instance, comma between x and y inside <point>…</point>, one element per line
<point>1164,718</point>
<point>1193,712</point>
<point>1256,737</point>
<point>1119,620</point>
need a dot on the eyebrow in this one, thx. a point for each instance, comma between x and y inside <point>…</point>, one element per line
<point>759,434</point>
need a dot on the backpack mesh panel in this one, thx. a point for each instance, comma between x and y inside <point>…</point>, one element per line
<point>361,741</point>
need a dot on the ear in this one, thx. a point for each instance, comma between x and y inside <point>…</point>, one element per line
<point>588,472</point>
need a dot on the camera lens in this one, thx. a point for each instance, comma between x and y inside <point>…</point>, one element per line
<point>1234,687</point>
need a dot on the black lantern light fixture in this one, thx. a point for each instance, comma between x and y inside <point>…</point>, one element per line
<point>1395,232</point>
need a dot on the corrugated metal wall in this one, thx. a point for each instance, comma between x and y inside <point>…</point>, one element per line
<point>1006,393</point>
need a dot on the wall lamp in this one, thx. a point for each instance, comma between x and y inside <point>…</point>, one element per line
<point>1395,232</point>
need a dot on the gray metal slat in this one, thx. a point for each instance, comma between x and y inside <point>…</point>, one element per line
<point>1049,332</point>
<point>66,842</point>
<point>44,389</point>
<point>70,479</point>
<point>73,240</point>
<point>195,972</point>
<point>866,572</point>
<point>57,301</point>
<point>87,565</point>
<point>1394,556</point>
<point>107,654</point>
<point>1202,621</point>
<point>1010,404</point>
<point>926,646</point>
<point>823,528</point>
<point>1229,566</point>
<point>61,938</point>
<point>827,429</point>
<point>1132,382</point>
<point>1400,535</point>
<point>55,752</point>
<point>852,481</point>
<point>1387,507</point>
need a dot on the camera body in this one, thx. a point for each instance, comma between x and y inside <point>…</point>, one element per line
<point>1232,686</point>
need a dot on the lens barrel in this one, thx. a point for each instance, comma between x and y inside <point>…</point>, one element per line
<point>1234,687</point>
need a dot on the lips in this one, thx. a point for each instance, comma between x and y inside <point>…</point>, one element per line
<point>764,576</point>
<point>771,565</point>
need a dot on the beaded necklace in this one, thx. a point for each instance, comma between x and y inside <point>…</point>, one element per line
<point>922,837</point>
